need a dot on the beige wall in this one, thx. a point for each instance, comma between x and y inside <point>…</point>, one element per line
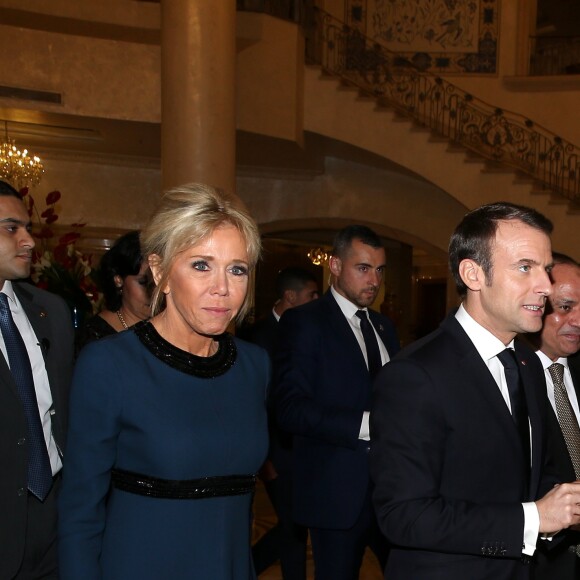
<point>96,77</point>
<point>277,97</point>
<point>270,77</point>
<point>121,79</point>
<point>102,194</point>
<point>118,12</point>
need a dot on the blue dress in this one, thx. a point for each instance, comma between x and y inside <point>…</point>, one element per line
<point>136,406</point>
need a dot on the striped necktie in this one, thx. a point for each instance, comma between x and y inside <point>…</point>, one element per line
<point>566,416</point>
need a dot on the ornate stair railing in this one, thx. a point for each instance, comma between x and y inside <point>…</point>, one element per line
<point>497,135</point>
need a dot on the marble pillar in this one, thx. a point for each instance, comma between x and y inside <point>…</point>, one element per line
<point>198,128</point>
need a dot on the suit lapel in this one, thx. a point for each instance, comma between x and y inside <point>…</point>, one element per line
<point>389,341</point>
<point>482,383</point>
<point>341,328</point>
<point>574,366</point>
<point>6,377</point>
<point>37,316</point>
<point>529,380</point>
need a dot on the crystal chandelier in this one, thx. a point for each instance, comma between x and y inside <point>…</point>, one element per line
<point>317,256</point>
<point>19,167</point>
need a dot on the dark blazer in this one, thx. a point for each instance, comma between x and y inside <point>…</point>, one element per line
<point>554,560</point>
<point>322,387</point>
<point>264,333</point>
<point>447,462</point>
<point>558,449</point>
<point>51,321</point>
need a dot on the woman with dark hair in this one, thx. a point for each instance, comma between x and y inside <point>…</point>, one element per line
<point>125,282</point>
<point>167,421</point>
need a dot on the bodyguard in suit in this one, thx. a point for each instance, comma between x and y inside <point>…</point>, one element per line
<point>36,345</point>
<point>294,286</point>
<point>286,541</point>
<point>558,345</point>
<point>328,352</point>
<point>458,418</point>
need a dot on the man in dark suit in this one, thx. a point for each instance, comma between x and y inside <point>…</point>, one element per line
<point>458,418</point>
<point>327,352</point>
<point>286,541</point>
<point>294,286</point>
<point>30,473</point>
<point>558,345</point>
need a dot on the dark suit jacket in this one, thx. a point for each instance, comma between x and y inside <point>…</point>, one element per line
<point>322,387</point>
<point>447,461</point>
<point>554,559</point>
<point>264,333</point>
<point>558,449</point>
<point>51,321</point>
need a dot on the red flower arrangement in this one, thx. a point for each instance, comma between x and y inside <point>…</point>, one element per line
<point>57,265</point>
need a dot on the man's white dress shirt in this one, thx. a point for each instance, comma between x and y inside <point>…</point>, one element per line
<point>41,384</point>
<point>349,310</point>
<point>489,346</point>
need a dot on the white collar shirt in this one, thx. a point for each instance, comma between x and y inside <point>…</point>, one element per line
<point>40,376</point>
<point>488,346</point>
<point>349,310</point>
<point>568,383</point>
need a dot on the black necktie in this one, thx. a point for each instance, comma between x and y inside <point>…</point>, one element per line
<point>371,344</point>
<point>39,471</point>
<point>517,401</point>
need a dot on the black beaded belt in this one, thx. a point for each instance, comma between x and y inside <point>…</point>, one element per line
<point>182,489</point>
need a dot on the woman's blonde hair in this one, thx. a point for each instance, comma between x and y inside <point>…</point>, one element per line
<point>186,215</point>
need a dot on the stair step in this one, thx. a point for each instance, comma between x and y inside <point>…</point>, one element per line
<point>522,177</point>
<point>437,138</point>
<point>345,83</point>
<point>366,97</point>
<point>554,198</point>
<point>540,191</point>
<point>397,116</point>
<point>384,103</point>
<point>418,128</point>
<point>472,157</point>
<point>455,147</point>
<point>496,167</point>
<point>326,74</point>
<point>558,199</point>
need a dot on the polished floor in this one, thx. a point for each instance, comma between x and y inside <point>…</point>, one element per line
<point>264,519</point>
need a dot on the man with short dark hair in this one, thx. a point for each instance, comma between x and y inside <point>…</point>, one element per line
<point>328,353</point>
<point>556,345</point>
<point>286,541</point>
<point>458,418</point>
<point>294,286</point>
<point>36,344</point>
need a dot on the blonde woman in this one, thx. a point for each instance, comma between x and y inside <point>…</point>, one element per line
<point>170,415</point>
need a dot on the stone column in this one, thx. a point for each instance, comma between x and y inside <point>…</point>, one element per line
<point>198,60</point>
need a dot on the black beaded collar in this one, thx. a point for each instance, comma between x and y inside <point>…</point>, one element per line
<point>181,360</point>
